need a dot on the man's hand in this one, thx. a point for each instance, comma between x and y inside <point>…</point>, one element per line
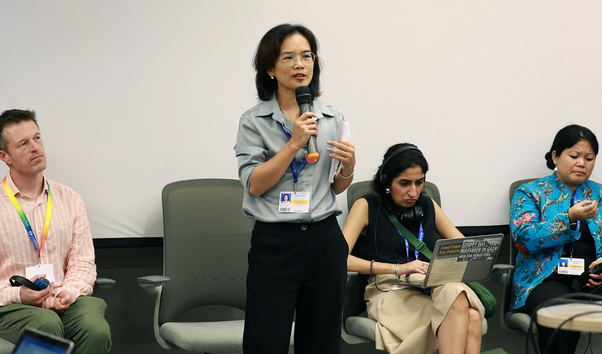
<point>59,303</point>
<point>35,297</point>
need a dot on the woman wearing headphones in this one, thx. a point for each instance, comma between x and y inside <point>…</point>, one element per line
<point>410,320</point>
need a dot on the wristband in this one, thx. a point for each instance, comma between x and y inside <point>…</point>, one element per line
<point>343,177</point>
<point>397,275</point>
<point>371,265</point>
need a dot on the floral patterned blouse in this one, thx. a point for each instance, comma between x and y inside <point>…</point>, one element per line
<point>539,226</point>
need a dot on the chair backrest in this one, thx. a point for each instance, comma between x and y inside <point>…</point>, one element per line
<point>514,186</point>
<point>359,189</point>
<point>205,245</point>
<point>354,295</point>
<point>512,248</point>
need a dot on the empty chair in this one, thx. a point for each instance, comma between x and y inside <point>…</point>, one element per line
<point>205,245</point>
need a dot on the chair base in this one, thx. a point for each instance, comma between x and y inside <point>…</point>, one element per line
<point>6,347</point>
<point>207,337</point>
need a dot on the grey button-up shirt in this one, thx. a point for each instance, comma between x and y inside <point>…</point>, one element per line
<point>260,137</point>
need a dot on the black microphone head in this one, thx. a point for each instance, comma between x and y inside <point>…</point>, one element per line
<point>303,95</point>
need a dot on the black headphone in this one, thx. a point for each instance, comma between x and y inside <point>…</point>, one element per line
<point>384,179</point>
<point>409,216</point>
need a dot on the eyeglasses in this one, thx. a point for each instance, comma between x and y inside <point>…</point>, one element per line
<point>290,59</point>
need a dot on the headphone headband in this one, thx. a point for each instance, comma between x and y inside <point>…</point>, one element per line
<point>384,179</point>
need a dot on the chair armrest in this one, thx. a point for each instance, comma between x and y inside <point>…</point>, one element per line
<point>351,273</point>
<point>499,270</point>
<point>152,283</point>
<point>104,283</point>
<point>503,267</point>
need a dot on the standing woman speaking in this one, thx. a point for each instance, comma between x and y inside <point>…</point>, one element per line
<point>298,256</point>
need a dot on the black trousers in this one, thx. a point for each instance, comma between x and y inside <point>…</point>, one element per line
<point>565,342</point>
<point>300,267</point>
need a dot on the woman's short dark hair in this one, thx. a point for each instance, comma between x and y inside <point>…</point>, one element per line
<point>394,167</point>
<point>268,52</point>
<point>568,137</point>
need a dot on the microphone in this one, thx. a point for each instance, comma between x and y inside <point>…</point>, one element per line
<point>303,96</point>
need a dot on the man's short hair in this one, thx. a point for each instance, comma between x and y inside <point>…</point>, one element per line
<point>14,116</point>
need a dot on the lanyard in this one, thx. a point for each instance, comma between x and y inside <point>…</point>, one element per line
<point>420,238</point>
<point>577,228</point>
<point>575,201</point>
<point>26,222</point>
<point>294,162</point>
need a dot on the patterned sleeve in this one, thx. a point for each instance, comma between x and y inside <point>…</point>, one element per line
<point>536,222</point>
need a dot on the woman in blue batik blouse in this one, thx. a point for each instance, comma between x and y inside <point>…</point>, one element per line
<point>556,225</point>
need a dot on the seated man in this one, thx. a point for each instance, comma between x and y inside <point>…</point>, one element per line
<point>44,231</point>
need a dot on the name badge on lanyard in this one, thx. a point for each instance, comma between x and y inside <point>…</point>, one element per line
<point>571,266</point>
<point>294,202</point>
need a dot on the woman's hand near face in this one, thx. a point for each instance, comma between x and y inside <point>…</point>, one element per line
<point>584,210</point>
<point>304,127</point>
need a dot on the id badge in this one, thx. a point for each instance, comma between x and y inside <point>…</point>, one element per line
<point>571,266</point>
<point>47,269</point>
<point>294,202</point>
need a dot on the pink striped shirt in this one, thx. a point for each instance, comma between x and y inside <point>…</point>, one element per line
<point>68,246</point>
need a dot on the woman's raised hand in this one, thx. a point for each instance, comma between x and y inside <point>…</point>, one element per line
<point>304,126</point>
<point>584,210</point>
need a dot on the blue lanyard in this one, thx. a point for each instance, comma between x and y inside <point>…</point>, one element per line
<point>575,201</point>
<point>420,238</point>
<point>294,162</point>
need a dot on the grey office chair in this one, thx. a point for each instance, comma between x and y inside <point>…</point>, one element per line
<point>205,245</point>
<point>7,347</point>
<point>512,322</point>
<point>357,327</point>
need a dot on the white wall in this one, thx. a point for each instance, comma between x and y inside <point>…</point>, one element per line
<point>134,94</point>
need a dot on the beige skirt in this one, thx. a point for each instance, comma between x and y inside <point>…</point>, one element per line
<point>407,318</point>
